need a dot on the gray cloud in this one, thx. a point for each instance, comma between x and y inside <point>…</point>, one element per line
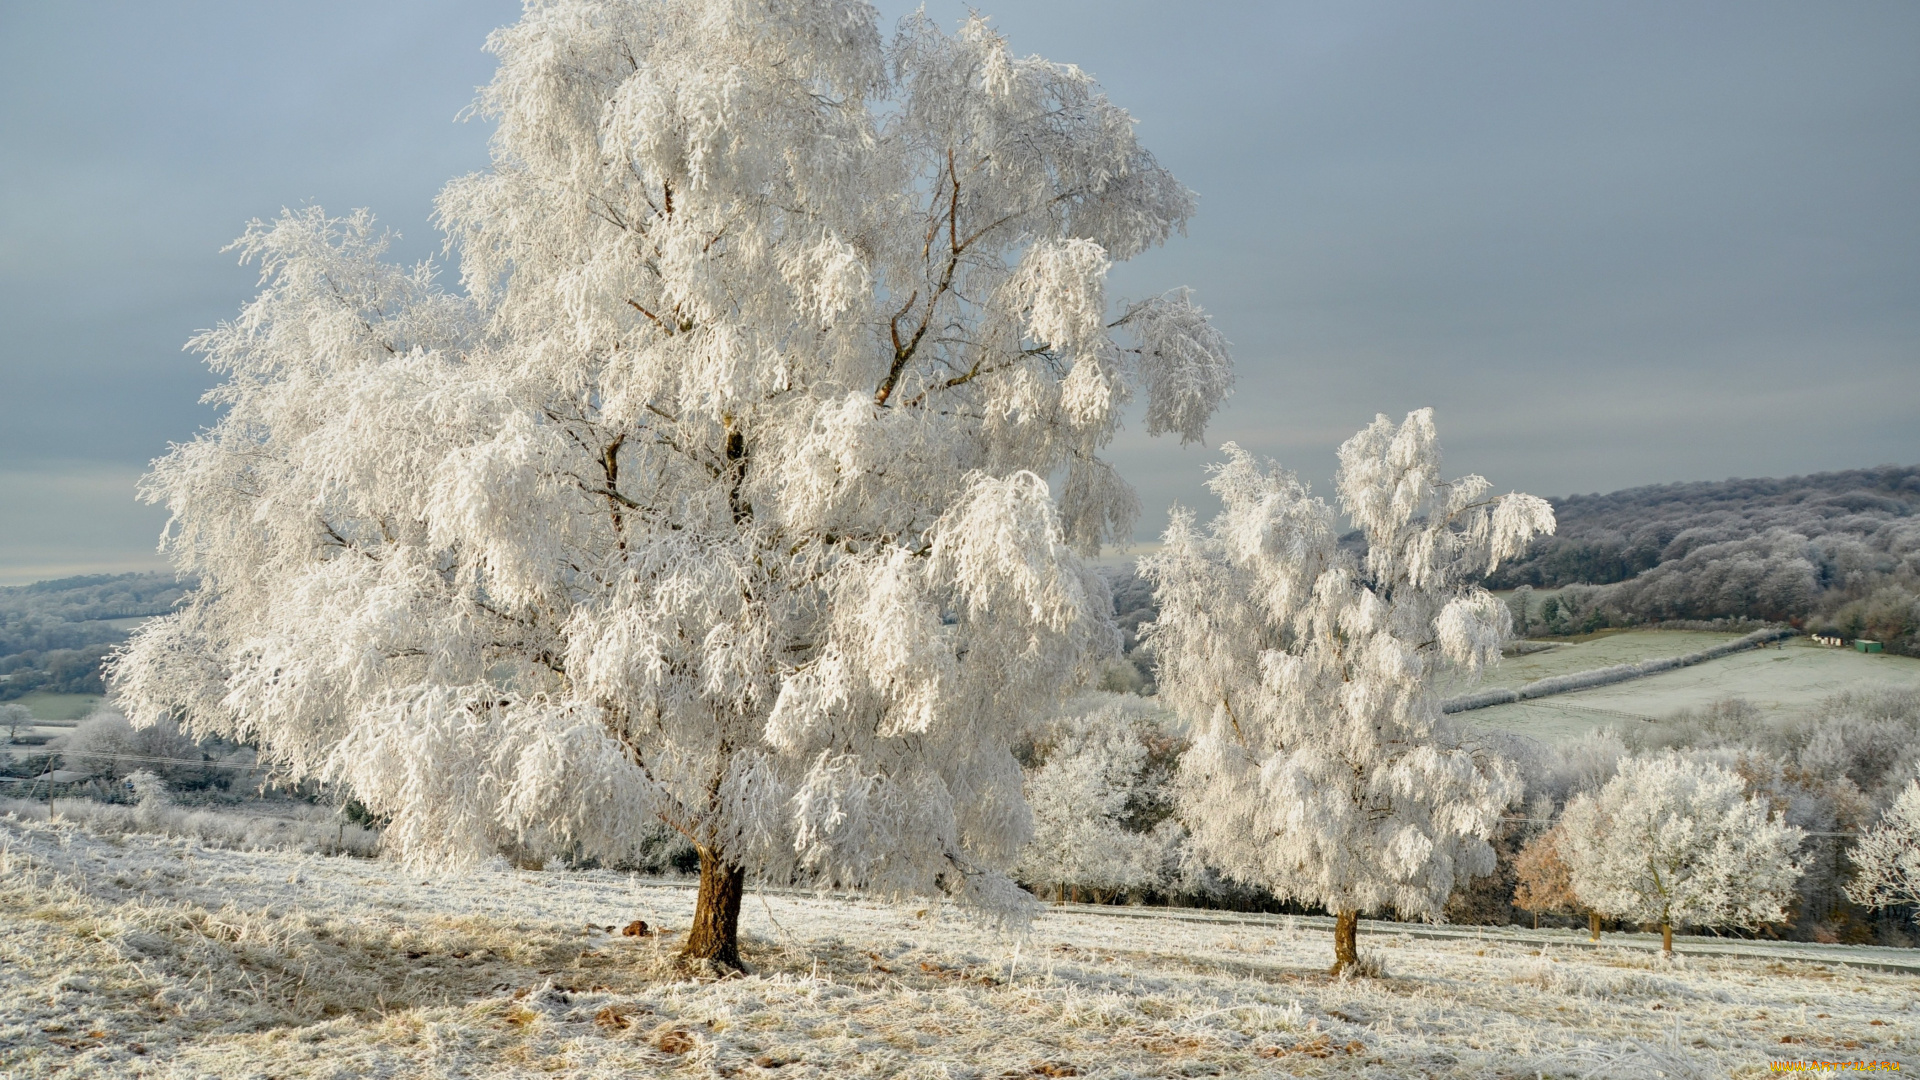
<point>1612,243</point>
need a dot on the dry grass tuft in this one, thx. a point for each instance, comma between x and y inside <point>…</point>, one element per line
<point>672,1040</point>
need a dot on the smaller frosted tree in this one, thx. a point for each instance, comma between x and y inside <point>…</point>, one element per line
<point>1679,842</point>
<point>1521,605</point>
<point>1888,857</point>
<point>13,718</point>
<point>1544,882</point>
<point>1542,879</point>
<point>1311,677</point>
<point>1097,786</point>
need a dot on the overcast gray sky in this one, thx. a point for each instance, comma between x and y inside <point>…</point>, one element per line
<point>1612,243</point>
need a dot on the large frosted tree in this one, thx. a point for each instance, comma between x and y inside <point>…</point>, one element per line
<point>1312,675</point>
<point>718,495</point>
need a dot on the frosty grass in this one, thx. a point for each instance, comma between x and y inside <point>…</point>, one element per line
<point>151,956</point>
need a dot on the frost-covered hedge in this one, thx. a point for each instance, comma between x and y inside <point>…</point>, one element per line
<point>317,831</point>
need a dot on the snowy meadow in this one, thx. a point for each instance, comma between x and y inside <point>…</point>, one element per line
<point>152,956</point>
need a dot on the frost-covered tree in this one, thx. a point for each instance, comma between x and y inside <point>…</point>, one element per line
<point>1520,604</point>
<point>13,717</point>
<point>1311,676</point>
<point>717,494</point>
<point>1098,788</point>
<point>1542,881</point>
<point>1887,859</point>
<point>1675,841</point>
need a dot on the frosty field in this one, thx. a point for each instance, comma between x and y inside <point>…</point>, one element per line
<point>143,956</point>
<point>60,707</point>
<point>1777,680</point>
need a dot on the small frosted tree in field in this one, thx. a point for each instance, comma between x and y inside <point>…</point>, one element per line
<point>1097,789</point>
<point>1322,767</point>
<point>716,497</point>
<point>1887,859</point>
<point>13,717</point>
<point>1678,842</point>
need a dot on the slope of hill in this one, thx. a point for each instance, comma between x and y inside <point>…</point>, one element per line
<point>1834,551</point>
<point>53,634</point>
<point>1602,539</point>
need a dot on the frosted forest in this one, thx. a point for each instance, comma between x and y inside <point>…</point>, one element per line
<point>715,553</point>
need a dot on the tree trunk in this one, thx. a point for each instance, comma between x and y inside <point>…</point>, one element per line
<point>1346,946</point>
<point>1666,938</point>
<point>715,936</point>
<point>1593,924</point>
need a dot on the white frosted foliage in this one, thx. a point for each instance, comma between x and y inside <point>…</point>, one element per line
<point>1312,677</point>
<point>1090,792</point>
<point>1678,842</point>
<point>1887,859</point>
<point>715,497</point>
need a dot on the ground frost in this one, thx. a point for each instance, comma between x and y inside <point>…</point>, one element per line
<point>144,956</point>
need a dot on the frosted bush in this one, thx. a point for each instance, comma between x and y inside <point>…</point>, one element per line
<point>1674,841</point>
<point>106,745</point>
<point>149,788</point>
<point>1100,793</point>
<point>1887,858</point>
<point>293,828</point>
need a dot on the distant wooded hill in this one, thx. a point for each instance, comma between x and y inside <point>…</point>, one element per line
<point>1834,551</point>
<point>1839,550</point>
<point>53,634</point>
